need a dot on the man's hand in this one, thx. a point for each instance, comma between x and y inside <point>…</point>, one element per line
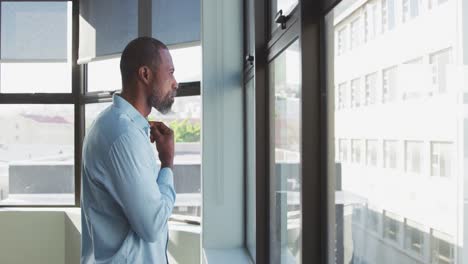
<point>164,137</point>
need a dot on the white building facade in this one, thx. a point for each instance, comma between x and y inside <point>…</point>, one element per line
<point>400,133</point>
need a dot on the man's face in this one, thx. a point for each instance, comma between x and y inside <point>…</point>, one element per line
<point>164,85</point>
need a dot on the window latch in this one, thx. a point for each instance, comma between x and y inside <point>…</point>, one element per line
<point>249,59</point>
<point>281,19</point>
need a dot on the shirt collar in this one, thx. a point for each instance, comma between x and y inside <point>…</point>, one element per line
<point>131,112</point>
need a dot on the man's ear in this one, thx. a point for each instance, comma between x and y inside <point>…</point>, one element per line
<point>145,74</point>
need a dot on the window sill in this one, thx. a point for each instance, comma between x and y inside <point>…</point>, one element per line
<point>73,213</point>
<point>226,256</point>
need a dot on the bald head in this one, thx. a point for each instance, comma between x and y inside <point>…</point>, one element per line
<point>142,51</point>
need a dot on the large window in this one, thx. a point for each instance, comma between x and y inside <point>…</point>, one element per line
<point>37,147</point>
<point>356,29</point>
<point>37,154</point>
<point>342,96</point>
<point>343,150</point>
<point>389,85</point>
<point>441,159</point>
<point>414,237</point>
<point>442,249</point>
<point>356,151</point>
<point>286,183</point>
<point>371,152</point>
<point>391,227</point>
<point>355,93</point>
<point>371,89</point>
<point>390,154</point>
<point>342,43</point>
<point>414,157</point>
<point>439,61</point>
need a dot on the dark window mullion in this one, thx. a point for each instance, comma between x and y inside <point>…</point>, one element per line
<point>78,87</point>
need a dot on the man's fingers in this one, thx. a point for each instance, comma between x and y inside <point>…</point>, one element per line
<point>163,128</point>
<point>155,132</point>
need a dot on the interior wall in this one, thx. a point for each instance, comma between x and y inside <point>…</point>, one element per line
<point>32,237</point>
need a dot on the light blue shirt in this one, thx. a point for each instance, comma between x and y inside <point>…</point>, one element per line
<point>125,201</point>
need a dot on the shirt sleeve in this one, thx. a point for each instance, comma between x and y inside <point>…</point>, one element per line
<point>146,202</point>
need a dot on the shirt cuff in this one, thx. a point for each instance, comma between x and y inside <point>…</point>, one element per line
<point>166,176</point>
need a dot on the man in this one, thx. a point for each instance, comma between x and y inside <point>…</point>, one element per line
<point>125,201</point>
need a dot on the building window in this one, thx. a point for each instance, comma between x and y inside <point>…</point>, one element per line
<point>391,227</point>
<point>414,237</point>
<point>37,137</point>
<point>367,17</point>
<point>356,149</point>
<point>371,89</point>
<point>355,93</point>
<point>355,33</point>
<point>441,159</point>
<point>384,15</point>
<point>405,14</point>
<point>371,153</point>
<point>391,14</point>
<point>343,145</point>
<point>342,41</point>
<point>390,154</point>
<point>413,78</point>
<point>389,85</point>
<point>414,155</point>
<point>414,8</point>
<point>442,248</point>
<point>342,96</point>
<point>439,61</point>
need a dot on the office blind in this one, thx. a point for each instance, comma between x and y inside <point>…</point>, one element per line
<point>34,30</point>
<point>176,21</point>
<point>106,26</point>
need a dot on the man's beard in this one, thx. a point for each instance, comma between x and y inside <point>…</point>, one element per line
<point>162,104</point>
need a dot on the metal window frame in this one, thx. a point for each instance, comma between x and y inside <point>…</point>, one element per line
<point>307,25</point>
<point>71,98</point>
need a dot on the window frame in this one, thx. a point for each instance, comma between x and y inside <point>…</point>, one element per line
<point>304,23</point>
<point>72,98</point>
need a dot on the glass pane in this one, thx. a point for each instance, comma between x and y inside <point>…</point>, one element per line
<point>285,206</point>
<point>52,77</point>
<point>104,75</point>
<point>251,186</point>
<point>92,111</point>
<point>187,63</point>
<point>286,6</point>
<point>397,114</point>
<point>37,155</point>
<point>35,30</point>
<point>185,120</point>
